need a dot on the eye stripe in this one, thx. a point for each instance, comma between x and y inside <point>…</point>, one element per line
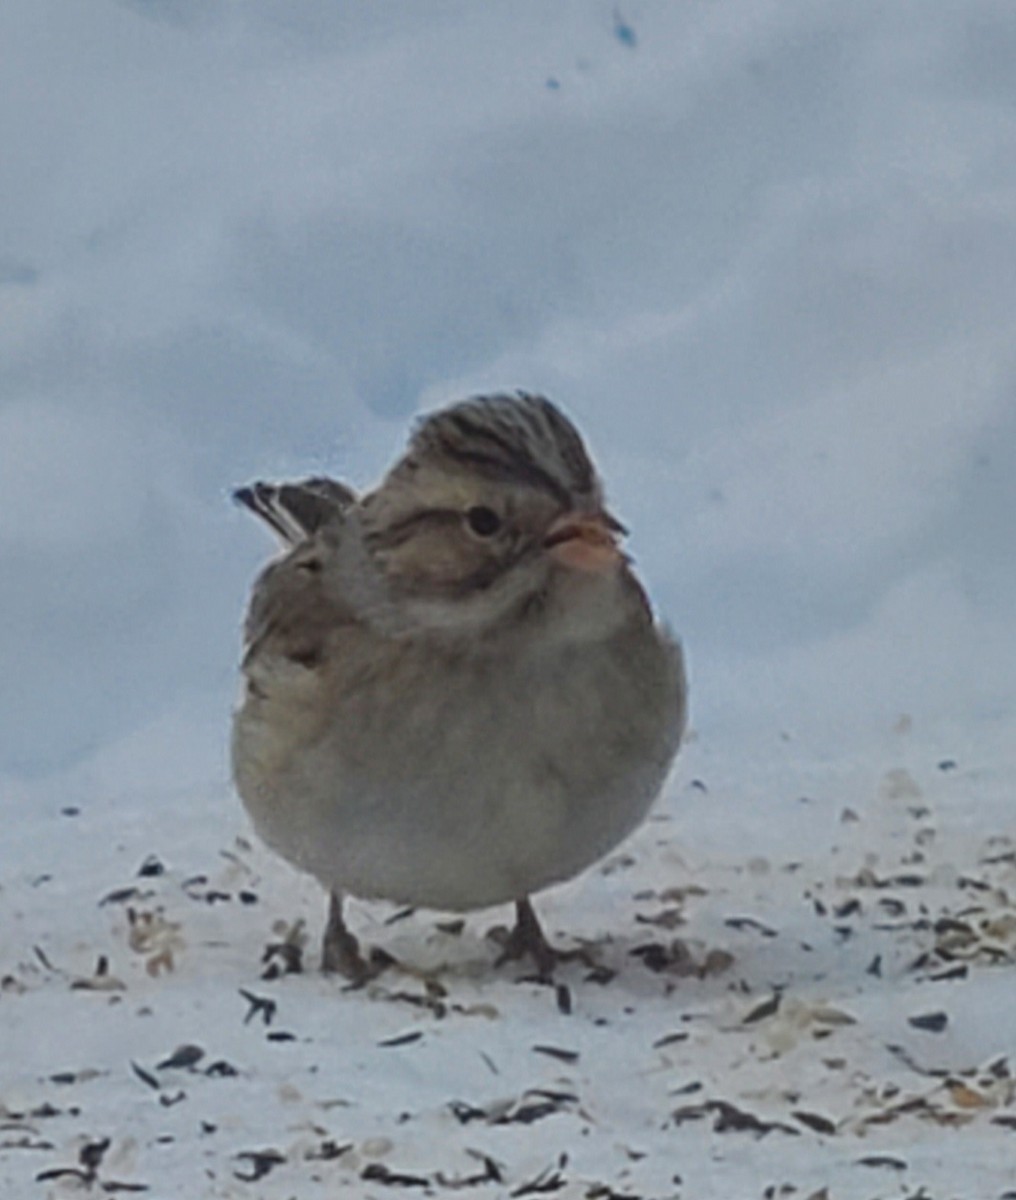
<point>390,536</point>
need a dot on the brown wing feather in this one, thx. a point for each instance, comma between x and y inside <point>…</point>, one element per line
<point>296,511</point>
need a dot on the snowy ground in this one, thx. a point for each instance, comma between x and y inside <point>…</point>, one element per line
<point>804,990</point>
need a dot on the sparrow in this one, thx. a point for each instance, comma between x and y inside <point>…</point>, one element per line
<point>455,692</point>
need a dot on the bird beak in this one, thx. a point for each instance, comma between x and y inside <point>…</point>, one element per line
<point>585,541</point>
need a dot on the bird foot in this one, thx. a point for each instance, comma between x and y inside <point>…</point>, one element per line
<point>341,954</point>
<point>527,940</point>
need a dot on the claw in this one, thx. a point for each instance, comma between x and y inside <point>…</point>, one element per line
<point>527,939</point>
<point>340,950</point>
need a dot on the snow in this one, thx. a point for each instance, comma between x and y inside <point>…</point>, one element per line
<point>763,946</point>
<point>764,254</point>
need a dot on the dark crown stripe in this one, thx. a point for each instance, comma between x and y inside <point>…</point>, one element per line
<point>522,437</point>
<point>502,454</point>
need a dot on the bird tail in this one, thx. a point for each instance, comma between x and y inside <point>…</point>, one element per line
<point>296,511</point>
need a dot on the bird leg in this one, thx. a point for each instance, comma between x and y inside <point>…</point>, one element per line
<point>340,951</point>
<point>527,938</point>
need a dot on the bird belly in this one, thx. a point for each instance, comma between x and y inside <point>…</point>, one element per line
<point>476,795</point>
<point>441,849</point>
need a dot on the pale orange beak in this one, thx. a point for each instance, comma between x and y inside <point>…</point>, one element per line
<point>585,541</point>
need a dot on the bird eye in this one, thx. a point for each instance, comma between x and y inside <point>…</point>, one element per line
<point>483,521</point>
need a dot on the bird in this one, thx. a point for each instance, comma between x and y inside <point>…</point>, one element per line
<point>455,692</point>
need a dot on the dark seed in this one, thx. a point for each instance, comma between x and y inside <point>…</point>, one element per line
<point>933,1022</point>
<point>768,1008</point>
<point>815,1121</point>
<point>567,1056</point>
<point>145,1076</point>
<point>402,1039</point>
<point>182,1056</point>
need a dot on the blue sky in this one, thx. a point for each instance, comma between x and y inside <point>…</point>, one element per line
<point>764,253</point>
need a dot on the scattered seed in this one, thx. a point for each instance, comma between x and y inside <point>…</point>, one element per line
<point>567,1056</point>
<point>882,1160</point>
<point>221,1069</point>
<point>63,1172</point>
<point>825,1014</point>
<point>768,1008</point>
<point>40,954</point>
<point>491,1173</point>
<point>465,1113</point>
<point>751,923</point>
<point>688,1089</point>
<point>91,1154</point>
<point>933,1022</point>
<point>669,1039</point>
<point>815,1121</point>
<point>282,958</point>
<point>908,1060</point>
<point>145,1076</point>
<point>328,1151</point>
<point>182,1056</point>
<point>960,971</point>
<point>121,896</point>
<point>728,1118</point>
<point>402,1039</point>
<point>263,1006</point>
<point>379,1173</point>
<point>261,1163</point>
<point>666,918</point>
